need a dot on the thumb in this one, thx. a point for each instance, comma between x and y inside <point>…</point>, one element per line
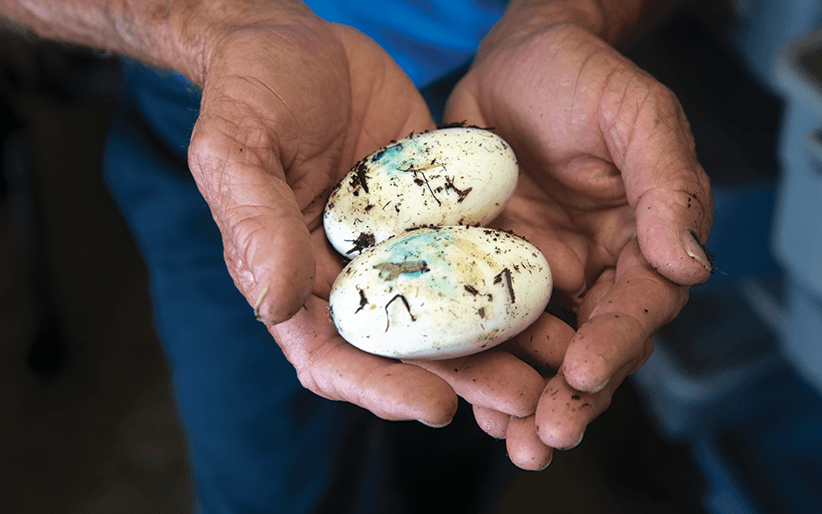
<point>664,182</point>
<point>672,223</point>
<point>267,245</point>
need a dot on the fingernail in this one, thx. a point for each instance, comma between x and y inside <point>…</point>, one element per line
<point>259,303</point>
<point>543,468</point>
<point>599,387</point>
<point>435,425</point>
<point>696,249</point>
<point>574,445</point>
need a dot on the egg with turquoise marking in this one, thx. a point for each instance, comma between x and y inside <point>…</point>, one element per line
<point>451,176</point>
<point>440,292</point>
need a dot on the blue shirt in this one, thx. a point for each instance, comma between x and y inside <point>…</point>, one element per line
<point>429,39</point>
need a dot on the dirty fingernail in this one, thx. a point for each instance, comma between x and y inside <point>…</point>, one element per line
<point>259,303</point>
<point>696,249</point>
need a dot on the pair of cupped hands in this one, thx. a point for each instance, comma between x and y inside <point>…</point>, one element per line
<point>610,191</point>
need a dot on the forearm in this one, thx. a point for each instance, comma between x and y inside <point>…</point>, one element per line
<point>173,34</point>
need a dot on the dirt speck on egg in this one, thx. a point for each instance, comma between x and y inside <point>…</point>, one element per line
<point>440,292</point>
<point>453,176</point>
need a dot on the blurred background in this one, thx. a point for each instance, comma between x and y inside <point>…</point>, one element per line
<point>726,417</point>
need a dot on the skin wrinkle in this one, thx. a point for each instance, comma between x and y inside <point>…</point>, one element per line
<point>675,298</point>
<point>582,69</point>
<point>539,192</point>
<point>670,122</point>
<point>243,279</point>
<point>659,120</point>
<point>623,316</point>
<point>528,194</point>
<point>264,125</point>
<point>689,193</point>
<point>240,252</point>
<point>492,422</point>
<point>234,221</point>
<point>257,113</point>
<point>226,160</point>
<point>306,367</point>
<point>301,183</point>
<point>585,212</point>
<point>648,315</point>
<point>601,173</point>
<point>609,122</point>
<point>259,221</point>
<point>197,167</point>
<point>373,142</point>
<point>304,359</point>
<point>296,181</point>
<point>218,179</point>
<point>613,247</point>
<point>575,157</point>
<point>364,385</point>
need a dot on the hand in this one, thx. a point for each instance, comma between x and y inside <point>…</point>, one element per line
<point>288,107</point>
<point>286,111</point>
<point>611,192</point>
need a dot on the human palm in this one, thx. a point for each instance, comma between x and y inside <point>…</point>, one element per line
<point>285,111</point>
<point>611,192</point>
<point>277,130</point>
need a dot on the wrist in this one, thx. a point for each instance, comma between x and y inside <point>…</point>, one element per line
<point>611,20</point>
<point>199,31</point>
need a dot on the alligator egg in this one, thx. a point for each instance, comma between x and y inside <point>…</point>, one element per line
<point>450,176</point>
<point>436,293</point>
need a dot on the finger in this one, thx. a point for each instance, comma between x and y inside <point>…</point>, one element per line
<point>329,264</point>
<point>492,422</point>
<point>620,325</point>
<point>493,379</point>
<point>334,369</point>
<point>262,226</point>
<point>462,105</point>
<point>593,297</point>
<point>563,413</point>
<point>651,143</point>
<point>665,221</point>
<point>525,449</point>
<point>544,343</point>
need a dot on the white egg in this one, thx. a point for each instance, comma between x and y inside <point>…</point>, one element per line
<point>451,176</point>
<point>437,293</point>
